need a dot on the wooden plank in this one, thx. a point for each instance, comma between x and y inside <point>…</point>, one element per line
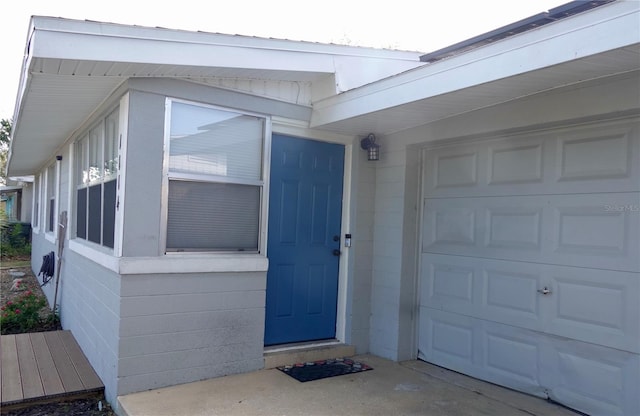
<point>50,379</point>
<point>31,382</point>
<point>11,380</point>
<point>66,370</point>
<point>89,378</point>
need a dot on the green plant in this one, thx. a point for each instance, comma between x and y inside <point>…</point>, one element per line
<point>12,238</point>
<point>22,314</point>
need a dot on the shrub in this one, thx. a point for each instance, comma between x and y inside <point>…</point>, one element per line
<point>14,239</point>
<point>23,314</point>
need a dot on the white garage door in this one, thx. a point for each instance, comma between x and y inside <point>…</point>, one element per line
<point>530,264</point>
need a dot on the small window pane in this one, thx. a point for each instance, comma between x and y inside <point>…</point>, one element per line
<point>81,213</point>
<point>51,189</point>
<point>214,142</point>
<point>82,161</point>
<point>95,213</point>
<point>36,196</point>
<point>109,213</point>
<point>111,145</point>
<point>212,216</point>
<point>95,153</point>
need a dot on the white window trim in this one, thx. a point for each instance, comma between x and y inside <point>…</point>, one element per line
<point>263,183</point>
<point>35,204</point>
<point>51,235</point>
<point>123,120</point>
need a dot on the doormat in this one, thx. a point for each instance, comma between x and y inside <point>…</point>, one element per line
<point>322,369</point>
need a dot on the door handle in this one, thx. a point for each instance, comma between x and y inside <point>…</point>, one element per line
<point>336,252</point>
<point>545,290</point>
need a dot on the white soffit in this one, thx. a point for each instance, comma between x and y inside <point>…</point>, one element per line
<point>594,44</point>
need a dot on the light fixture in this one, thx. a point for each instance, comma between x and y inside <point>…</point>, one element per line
<point>369,144</point>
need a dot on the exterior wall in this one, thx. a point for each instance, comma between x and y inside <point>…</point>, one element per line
<point>88,294</point>
<point>359,285</point>
<point>395,223</point>
<point>145,144</point>
<point>90,308</point>
<point>178,328</point>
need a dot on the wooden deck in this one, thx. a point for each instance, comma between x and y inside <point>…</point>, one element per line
<point>44,366</point>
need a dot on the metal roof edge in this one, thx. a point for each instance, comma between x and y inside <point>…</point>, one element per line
<point>524,25</point>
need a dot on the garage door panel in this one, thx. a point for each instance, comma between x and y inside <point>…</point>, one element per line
<point>600,153</point>
<point>593,379</point>
<point>589,305</point>
<point>499,291</point>
<point>448,339</point>
<point>592,230</point>
<point>568,161</point>
<point>597,230</point>
<point>482,349</point>
<point>519,163</point>
<point>596,306</point>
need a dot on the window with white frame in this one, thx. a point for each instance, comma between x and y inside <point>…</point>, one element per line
<point>36,203</point>
<point>51,198</point>
<point>214,171</point>
<point>96,157</point>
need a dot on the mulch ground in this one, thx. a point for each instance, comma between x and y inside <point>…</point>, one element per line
<point>87,406</point>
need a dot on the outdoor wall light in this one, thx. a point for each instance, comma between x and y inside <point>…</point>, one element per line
<point>373,149</point>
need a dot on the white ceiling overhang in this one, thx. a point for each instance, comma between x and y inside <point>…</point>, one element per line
<point>71,67</point>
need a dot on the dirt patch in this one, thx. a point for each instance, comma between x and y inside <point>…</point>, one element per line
<point>80,407</point>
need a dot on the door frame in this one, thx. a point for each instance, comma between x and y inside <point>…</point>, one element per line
<point>296,129</point>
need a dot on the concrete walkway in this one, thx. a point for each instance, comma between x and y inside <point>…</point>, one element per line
<point>408,388</point>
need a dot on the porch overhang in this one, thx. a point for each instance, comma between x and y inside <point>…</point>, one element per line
<point>71,67</point>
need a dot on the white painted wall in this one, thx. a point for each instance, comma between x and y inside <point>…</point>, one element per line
<point>390,289</point>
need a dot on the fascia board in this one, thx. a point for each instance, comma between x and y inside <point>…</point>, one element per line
<point>94,41</point>
<point>606,28</point>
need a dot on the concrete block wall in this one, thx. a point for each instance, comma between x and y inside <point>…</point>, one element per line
<point>90,308</point>
<point>178,328</point>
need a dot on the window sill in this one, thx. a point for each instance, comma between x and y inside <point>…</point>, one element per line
<point>173,264</point>
<point>101,255</point>
<point>194,263</point>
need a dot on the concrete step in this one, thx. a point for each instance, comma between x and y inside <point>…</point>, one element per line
<point>279,355</point>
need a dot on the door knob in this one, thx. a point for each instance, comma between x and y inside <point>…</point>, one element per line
<point>336,252</point>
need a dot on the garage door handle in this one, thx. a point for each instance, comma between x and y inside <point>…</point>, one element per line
<point>545,290</point>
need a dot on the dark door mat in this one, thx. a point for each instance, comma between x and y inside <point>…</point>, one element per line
<point>325,368</point>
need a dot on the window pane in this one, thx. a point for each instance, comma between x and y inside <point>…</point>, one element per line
<point>215,142</point>
<point>36,196</point>
<point>81,213</point>
<point>95,153</point>
<point>212,216</point>
<point>82,162</point>
<point>51,189</point>
<point>111,145</point>
<point>95,213</point>
<point>109,213</point>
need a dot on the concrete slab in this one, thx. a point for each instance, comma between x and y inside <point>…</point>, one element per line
<point>408,388</point>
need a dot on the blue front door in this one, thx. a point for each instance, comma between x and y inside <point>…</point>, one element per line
<point>305,209</point>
